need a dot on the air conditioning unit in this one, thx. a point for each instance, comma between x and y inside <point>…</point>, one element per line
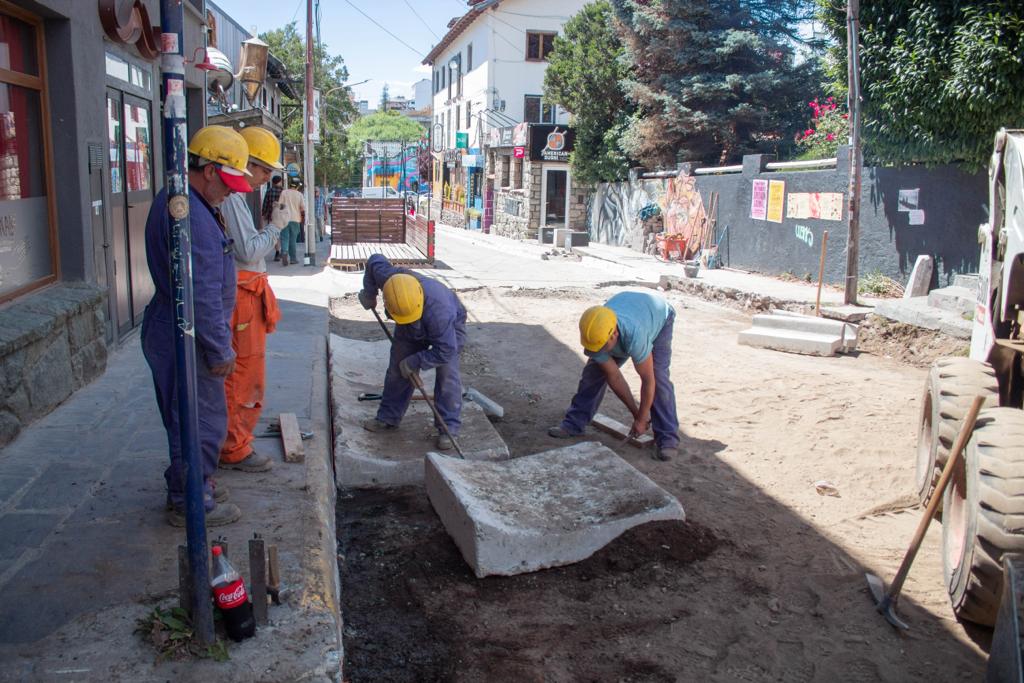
<point>501,105</point>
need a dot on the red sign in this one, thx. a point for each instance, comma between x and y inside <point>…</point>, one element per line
<point>519,152</point>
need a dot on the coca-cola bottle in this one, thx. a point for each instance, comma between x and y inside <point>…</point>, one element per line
<point>230,596</point>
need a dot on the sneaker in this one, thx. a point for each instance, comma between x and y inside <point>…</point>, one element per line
<point>218,516</point>
<point>444,442</point>
<point>664,454</point>
<point>560,433</point>
<point>374,425</point>
<point>254,462</point>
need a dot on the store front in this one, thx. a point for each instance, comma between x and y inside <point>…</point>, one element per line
<point>533,194</point>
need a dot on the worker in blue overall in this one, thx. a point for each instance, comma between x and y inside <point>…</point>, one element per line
<point>430,332</point>
<point>637,326</point>
<point>217,159</point>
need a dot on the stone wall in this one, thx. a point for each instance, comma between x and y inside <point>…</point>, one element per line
<point>51,344</point>
<point>511,217</point>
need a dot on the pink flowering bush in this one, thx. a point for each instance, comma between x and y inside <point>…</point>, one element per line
<point>829,129</point>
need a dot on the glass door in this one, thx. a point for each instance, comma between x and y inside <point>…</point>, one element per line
<point>555,197</point>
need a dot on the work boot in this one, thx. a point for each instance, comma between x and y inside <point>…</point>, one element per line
<point>444,442</point>
<point>560,433</point>
<point>374,425</point>
<point>664,454</point>
<point>218,516</point>
<point>254,462</point>
<point>220,495</point>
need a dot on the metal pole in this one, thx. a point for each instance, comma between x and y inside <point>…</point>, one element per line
<point>175,133</point>
<point>853,105</point>
<point>307,131</point>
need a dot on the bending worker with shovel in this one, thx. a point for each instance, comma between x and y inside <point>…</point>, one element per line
<point>430,332</point>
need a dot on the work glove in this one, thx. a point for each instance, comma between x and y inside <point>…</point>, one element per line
<point>408,371</point>
<point>281,216</point>
<point>367,300</point>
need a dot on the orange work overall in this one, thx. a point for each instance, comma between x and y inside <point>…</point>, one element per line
<point>255,316</point>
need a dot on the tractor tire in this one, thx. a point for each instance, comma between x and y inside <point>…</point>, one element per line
<point>952,385</point>
<point>984,514</point>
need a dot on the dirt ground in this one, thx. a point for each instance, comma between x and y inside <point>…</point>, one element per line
<point>765,580</point>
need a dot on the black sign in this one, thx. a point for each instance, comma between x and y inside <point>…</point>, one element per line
<point>551,143</point>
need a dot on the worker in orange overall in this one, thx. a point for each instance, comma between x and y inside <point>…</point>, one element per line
<point>256,311</point>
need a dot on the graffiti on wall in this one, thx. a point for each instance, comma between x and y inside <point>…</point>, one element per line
<point>804,234</point>
<point>683,208</point>
<point>613,211</point>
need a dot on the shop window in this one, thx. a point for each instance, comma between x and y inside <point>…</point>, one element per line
<point>506,165</point>
<point>469,58</point>
<point>539,46</point>
<point>27,258</point>
<point>138,148</point>
<point>517,174</point>
<point>536,110</point>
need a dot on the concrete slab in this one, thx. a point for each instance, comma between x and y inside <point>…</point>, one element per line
<point>791,341</point>
<point>916,311</point>
<point>368,459</point>
<point>956,299</point>
<point>966,280</point>
<point>810,323</point>
<point>920,277</point>
<point>544,510</point>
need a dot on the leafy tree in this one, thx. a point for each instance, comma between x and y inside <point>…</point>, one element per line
<point>336,109</point>
<point>938,78</point>
<point>583,77</point>
<point>713,79</point>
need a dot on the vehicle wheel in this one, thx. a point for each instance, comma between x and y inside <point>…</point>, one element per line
<point>952,385</point>
<point>984,514</point>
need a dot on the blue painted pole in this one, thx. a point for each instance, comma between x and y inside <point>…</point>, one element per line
<point>175,132</point>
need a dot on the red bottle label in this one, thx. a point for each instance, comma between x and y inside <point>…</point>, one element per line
<point>231,595</point>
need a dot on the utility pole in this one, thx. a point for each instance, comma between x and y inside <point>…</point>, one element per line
<point>853,105</point>
<point>175,134</point>
<point>307,142</point>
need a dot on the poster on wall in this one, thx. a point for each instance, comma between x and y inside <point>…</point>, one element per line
<point>908,199</point>
<point>759,200</point>
<point>776,197</point>
<point>798,205</point>
<point>916,216</point>
<point>830,206</point>
<point>827,206</point>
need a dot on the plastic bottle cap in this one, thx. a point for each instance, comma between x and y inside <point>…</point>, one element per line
<point>217,550</point>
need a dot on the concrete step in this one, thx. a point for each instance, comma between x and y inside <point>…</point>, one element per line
<point>968,281</point>
<point>792,341</point>
<point>801,322</point>
<point>543,510</point>
<point>956,299</point>
<point>916,311</point>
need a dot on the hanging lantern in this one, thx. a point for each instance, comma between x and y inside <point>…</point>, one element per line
<point>253,68</point>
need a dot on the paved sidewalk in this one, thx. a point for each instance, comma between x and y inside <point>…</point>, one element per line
<point>85,550</point>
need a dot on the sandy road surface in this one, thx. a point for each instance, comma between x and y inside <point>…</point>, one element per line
<point>764,582</point>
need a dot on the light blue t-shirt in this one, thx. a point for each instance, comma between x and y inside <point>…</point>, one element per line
<point>640,317</point>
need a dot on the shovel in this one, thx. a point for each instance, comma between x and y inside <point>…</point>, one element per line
<point>885,602</point>
<point>418,383</point>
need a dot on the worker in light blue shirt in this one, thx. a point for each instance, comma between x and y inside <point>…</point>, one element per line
<point>633,326</point>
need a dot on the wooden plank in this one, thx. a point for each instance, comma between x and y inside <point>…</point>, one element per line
<point>612,426</point>
<point>291,438</point>
<point>258,579</point>
<point>184,580</point>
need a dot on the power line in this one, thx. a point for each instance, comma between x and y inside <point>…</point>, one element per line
<point>421,19</point>
<point>378,25</point>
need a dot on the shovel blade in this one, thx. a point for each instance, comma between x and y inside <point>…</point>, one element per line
<point>884,603</point>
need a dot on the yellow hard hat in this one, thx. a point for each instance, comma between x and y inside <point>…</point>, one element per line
<point>223,146</point>
<point>264,147</point>
<point>403,298</point>
<point>596,326</point>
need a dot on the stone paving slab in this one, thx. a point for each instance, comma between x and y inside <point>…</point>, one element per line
<point>394,458</point>
<point>544,510</point>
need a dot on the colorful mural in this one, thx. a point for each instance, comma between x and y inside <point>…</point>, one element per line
<point>682,207</point>
<point>386,164</point>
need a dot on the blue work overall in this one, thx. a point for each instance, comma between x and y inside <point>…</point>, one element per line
<point>213,293</point>
<point>433,341</point>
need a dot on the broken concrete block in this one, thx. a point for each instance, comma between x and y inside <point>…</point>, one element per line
<point>920,277</point>
<point>610,425</point>
<point>544,510</point>
<point>392,458</point>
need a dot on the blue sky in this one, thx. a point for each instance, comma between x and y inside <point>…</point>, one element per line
<point>368,51</point>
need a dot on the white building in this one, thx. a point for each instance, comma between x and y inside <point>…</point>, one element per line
<point>488,74</point>
<point>422,94</point>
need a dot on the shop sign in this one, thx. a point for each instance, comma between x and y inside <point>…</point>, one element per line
<point>513,206</point>
<point>472,161</point>
<point>519,152</point>
<point>461,140</point>
<point>452,155</point>
<point>501,137</point>
<point>127,22</point>
<point>551,143</point>
<point>520,134</point>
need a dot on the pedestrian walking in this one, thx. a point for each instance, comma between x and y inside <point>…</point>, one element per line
<point>269,200</point>
<point>217,160</point>
<point>256,312</point>
<point>636,326</point>
<point>430,332</point>
<point>319,202</point>
<point>295,203</point>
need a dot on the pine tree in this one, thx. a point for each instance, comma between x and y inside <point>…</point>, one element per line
<point>713,79</point>
<point>385,96</point>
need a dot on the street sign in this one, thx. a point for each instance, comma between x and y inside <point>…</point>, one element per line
<point>461,140</point>
<point>314,134</point>
<point>437,141</point>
